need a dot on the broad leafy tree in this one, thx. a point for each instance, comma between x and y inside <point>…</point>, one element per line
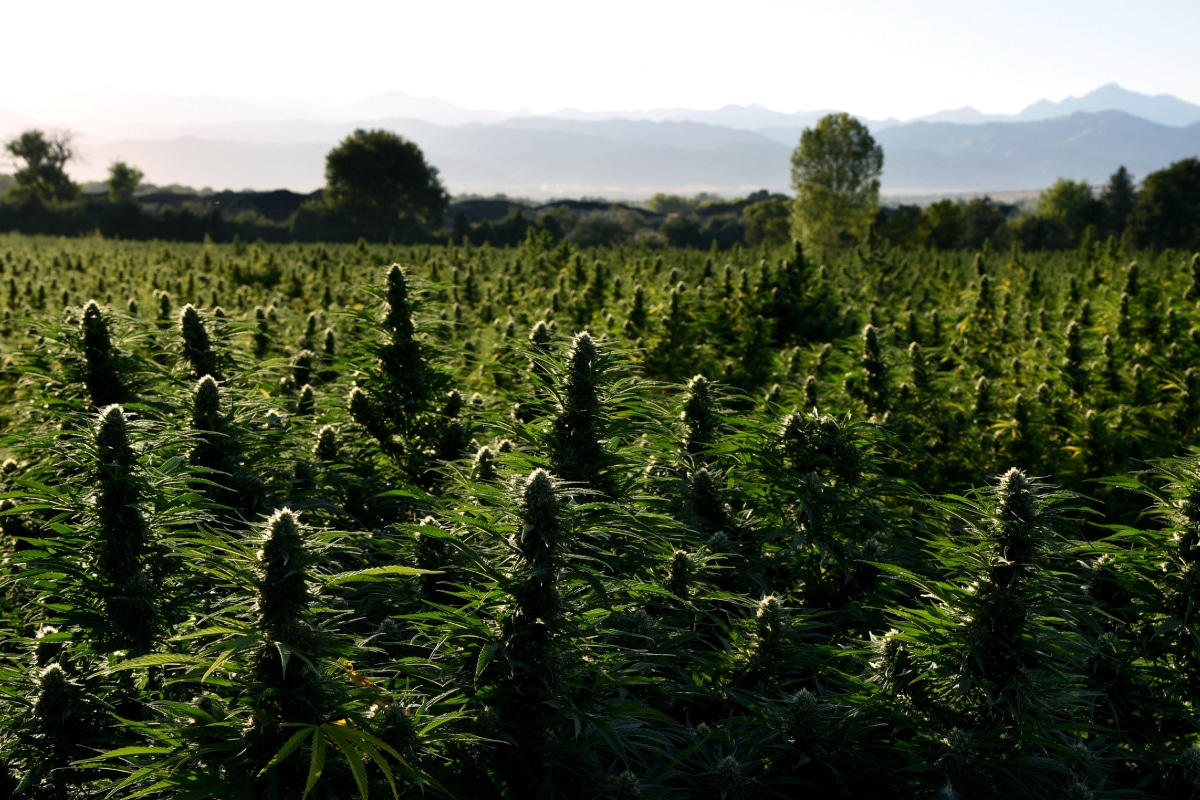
<point>943,226</point>
<point>378,185</point>
<point>123,181</point>
<point>835,173</point>
<point>900,226</point>
<point>1070,207</point>
<point>1167,213</point>
<point>40,162</point>
<point>983,221</point>
<point>767,222</point>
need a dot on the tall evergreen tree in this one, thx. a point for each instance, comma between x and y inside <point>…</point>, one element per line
<point>1119,197</point>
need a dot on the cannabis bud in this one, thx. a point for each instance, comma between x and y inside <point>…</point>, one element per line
<point>327,443</point>
<point>483,468</point>
<point>541,510</point>
<point>197,347</point>
<point>699,415</point>
<point>304,405</point>
<point>679,576</point>
<point>360,407</point>
<point>283,580</point>
<point>206,405</point>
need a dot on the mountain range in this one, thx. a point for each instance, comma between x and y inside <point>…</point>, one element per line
<point>238,143</point>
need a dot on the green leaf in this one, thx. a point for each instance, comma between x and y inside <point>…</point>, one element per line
<point>25,509</point>
<point>213,667</point>
<point>485,657</point>
<point>152,660</point>
<point>151,790</point>
<point>290,746</point>
<point>375,574</point>
<point>352,754</point>
<point>210,631</point>
<point>121,752</point>
<point>1168,625</point>
<point>317,765</point>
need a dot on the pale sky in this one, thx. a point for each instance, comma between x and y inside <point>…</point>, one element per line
<point>871,57</point>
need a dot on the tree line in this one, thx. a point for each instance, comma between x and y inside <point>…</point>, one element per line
<point>1161,214</point>
<point>380,188</point>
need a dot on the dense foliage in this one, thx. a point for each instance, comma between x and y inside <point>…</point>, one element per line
<point>835,174</point>
<point>380,189</point>
<point>281,521</point>
<point>378,185</point>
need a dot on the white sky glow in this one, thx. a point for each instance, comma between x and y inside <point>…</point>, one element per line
<point>876,58</point>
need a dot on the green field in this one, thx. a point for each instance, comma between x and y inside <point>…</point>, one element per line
<point>282,520</point>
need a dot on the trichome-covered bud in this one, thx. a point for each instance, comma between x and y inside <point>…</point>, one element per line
<point>483,467</point>
<point>454,404</point>
<point>112,438</point>
<point>699,415</point>
<point>1132,282</point>
<point>582,355</point>
<point>1016,500</point>
<point>774,396</point>
<point>874,371</point>
<point>95,330</point>
<point>920,366</point>
<point>361,409</point>
<point>395,725</point>
<point>623,786</point>
<point>327,444</point>
<point>46,649</point>
<point>399,316</point>
<point>541,517</point>
<point>302,366</point>
<point>769,618</point>
<point>206,405</point>
<point>56,708</point>
<point>197,347</point>
<point>679,574</point>
<point>310,328</point>
<point>104,383</point>
<point>306,401</point>
<point>578,454</point>
<point>811,392</point>
<point>283,578</point>
<point>540,337</point>
<point>122,535</point>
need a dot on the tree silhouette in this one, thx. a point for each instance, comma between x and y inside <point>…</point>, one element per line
<point>41,160</point>
<point>378,185</point>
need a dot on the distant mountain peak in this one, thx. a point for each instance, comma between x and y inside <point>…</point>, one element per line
<point>1164,109</point>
